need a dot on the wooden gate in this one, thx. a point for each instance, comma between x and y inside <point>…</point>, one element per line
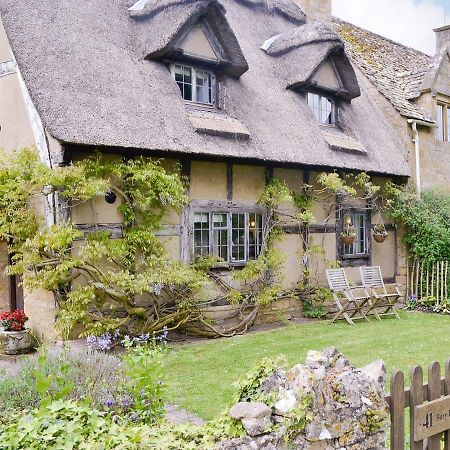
<point>429,408</point>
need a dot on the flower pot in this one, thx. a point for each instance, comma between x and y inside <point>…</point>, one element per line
<point>16,342</point>
<point>348,240</point>
<point>380,238</point>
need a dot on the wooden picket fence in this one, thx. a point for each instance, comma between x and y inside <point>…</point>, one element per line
<point>428,280</point>
<point>429,408</point>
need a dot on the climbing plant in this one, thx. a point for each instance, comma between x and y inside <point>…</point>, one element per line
<point>131,283</point>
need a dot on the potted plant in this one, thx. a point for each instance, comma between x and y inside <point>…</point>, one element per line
<point>16,337</point>
<point>348,235</point>
<point>379,233</point>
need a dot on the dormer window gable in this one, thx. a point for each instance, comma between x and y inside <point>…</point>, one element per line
<point>199,45</point>
<point>326,78</point>
<point>333,77</point>
<point>204,40</point>
<point>314,59</point>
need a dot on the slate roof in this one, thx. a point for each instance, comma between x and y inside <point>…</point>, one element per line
<point>84,69</point>
<point>396,70</point>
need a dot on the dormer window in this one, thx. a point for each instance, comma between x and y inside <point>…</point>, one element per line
<point>322,107</point>
<point>196,85</point>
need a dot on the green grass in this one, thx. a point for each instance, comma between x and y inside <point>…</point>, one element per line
<point>200,377</point>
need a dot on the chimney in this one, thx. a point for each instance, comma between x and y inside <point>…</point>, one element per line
<point>315,10</point>
<point>442,37</point>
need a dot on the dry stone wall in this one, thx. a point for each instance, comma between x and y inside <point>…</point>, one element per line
<point>323,404</point>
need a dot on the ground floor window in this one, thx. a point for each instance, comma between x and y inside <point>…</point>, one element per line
<point>233,236</point>
<point>357,220</point>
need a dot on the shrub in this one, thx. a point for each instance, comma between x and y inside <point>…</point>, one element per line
<point>426,222</point>
<point>91,376</point>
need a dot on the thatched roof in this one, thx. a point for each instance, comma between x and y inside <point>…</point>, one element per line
<point>84,67</point>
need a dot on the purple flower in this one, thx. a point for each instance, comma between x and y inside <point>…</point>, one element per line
<point>126,401</point>
<point>109,402</point>
<point>162,338</point>
<point>101,343</point>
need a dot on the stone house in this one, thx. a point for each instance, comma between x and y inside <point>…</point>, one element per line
<point>236,92</point>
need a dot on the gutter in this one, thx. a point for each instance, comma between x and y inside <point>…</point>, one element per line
<point>416,140</point>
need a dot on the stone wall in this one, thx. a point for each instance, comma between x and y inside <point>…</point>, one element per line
<point>323,404</point>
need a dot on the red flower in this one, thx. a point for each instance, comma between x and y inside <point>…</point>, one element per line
<point>13,321</point>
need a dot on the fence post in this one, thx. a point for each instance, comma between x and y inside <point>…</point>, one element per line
<point>434,392</point>
<point>447,392</point>
<point>397,411</point>
<point>415,398</point>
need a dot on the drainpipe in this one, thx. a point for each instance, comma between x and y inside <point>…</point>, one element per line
<point>416,140</point>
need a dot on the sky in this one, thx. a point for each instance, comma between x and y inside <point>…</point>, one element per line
<point>410,22</point>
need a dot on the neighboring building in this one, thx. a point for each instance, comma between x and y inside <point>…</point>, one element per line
<point>412,89</point>
<point>237,91</point>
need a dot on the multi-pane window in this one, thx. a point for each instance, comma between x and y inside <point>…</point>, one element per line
<point>196,85</point>
<point>358,221</point>
<point>234,237</point>
<point>443,121</point>
<point>322,108</point>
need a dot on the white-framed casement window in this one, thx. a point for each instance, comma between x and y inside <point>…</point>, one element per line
<point>196,85</point>
<point>322,107</point>
<point>443,122</point>
<point>359,221</point>
<point>236,237</point>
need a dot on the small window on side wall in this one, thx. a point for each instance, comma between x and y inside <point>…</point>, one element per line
<point>196,85</point>
<point>322,107</point>
<point>443,122</point>
<point>358,221</point>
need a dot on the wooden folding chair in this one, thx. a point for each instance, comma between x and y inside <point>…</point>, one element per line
<point>350,307</point>
<point>381,299</point>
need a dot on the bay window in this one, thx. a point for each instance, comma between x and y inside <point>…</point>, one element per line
<point>233,236</point>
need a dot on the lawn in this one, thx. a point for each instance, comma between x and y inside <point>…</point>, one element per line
<point>200,376</point>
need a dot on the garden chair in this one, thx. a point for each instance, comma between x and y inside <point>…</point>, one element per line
<point>381,299</point>
<point>350,307</point>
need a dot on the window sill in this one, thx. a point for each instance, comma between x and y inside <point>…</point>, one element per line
<point>355,261</point>
<point>230,265</point>
<point>207,106</point>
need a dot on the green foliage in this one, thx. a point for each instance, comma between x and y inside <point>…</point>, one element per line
<point>144,368</point>
<point>99,284</point>
<point>69,425</point>
<point>275,193</point>
<point>334,183</point>
<point>60,382</point>
<point>248,386</point>
<point>297,419</point>
<point>426,220</point>
<point>314,302</point>
<point>96,377</point>
<point>65,425</point>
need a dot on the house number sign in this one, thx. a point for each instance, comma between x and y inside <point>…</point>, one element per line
<point>431,418</point>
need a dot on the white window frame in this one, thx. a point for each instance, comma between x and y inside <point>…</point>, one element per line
<point>321,97</point>
<point>443,121</point>
<point>229,227</point>
<point>194,72</point>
